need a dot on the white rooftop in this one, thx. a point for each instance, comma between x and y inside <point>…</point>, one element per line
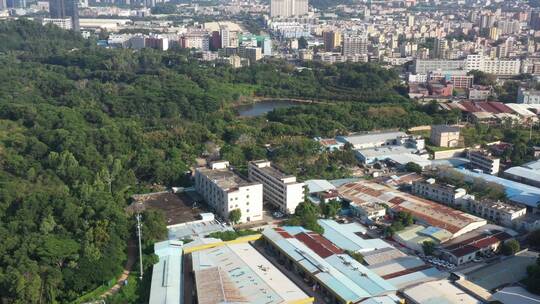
<point>439,292</point>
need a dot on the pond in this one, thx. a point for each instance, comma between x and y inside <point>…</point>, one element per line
<point>263,107</point>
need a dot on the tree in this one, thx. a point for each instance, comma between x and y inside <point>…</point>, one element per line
<point>482,78</point>
<point>534,238</point>
<point>428,247</point>
<point>154,226</point>
<point>510,247</point>
<point>235,216</point>
<point>331,209</point>
<point>413,167</point>
<point>355,255</point>
<point>532,282</point>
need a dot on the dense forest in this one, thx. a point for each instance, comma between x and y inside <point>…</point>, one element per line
<point>82,128</point>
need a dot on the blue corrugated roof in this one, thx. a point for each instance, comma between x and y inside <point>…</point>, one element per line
<point>371,282</point>
<point>344,236</point>
<point>347,278</point>
<point>517,192</point>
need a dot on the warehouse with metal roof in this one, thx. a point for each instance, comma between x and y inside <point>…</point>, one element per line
<point>424,211</point>
<point>166,286</point>
<point>236,272</point>
<point>324,266</point>
<point>347,236</point>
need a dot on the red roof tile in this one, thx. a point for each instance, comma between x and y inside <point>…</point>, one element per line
<point>321,246</point>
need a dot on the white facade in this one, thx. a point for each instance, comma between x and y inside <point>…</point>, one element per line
<point>445,194</point>
<point>225,191</point>
<point>498,212</point>
<point>280,190</point>
<point>484,161</point>
<point>492,66</point>
<point>288,8</point>
<point>63,23</point>
<point>355,44</point>
<point>199,41</point>
<point>528,96</point>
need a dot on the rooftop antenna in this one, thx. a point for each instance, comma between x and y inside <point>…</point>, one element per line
<point>140,247</point>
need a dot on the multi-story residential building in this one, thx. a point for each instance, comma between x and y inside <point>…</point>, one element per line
<point>288,8</point>
<point>499,212</point>
<point>225,36</point>
<point>528,96</point>
<point>251,53</point>
<point>444,136</point>
<point>63,23</point>
<point>493,66</point>
<point>441,48</point>
<point>423,66</point>
<point>63,9</point>
<point>535,20</point>
<point>484,161</point>
<point>332,40</point>
<point>354,44</point>
<point>459,79</point>
<point>225,191</point>
<point>280,189</point>
<point>196,39</point>
<point>446,194</point>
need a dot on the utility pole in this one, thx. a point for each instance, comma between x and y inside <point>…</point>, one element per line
<point>140,247</point>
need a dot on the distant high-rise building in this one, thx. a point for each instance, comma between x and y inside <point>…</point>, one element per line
<point>355,44</point>
<point>535,20</point>
<point>3,4</point>
<point>288,8</point>
<point>494,33</point>
<point>215,41</point>
<point>487,20</point>
<point>410,20</point>
<point>332,40</point>
<point>267,46</point>
<point>225,35</point>
<point>62,9</point>
<point>440,48</point>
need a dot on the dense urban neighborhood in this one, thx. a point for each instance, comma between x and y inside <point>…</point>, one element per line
<point>270,151</point>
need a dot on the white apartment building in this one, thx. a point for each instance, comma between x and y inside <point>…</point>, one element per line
<point>493,66</point>
<point>499,212</point>
<point>528,96</point>
<point>224,191</point>
<point>484,161</point>
<point>288,8</point>
<point>196,40</point>
<point>63,23</point>
<point>355,44</point>
<point>423,66</point>
<point>280,189</point>
<point>446,194</point>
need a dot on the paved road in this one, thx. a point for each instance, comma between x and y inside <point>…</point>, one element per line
<point>132,256</point>
<point>291,275</point>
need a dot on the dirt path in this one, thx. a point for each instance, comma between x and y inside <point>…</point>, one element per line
<point>132,257</point>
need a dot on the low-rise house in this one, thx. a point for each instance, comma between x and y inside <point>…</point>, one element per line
<point>414,236</point>
<point>466,249</point>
